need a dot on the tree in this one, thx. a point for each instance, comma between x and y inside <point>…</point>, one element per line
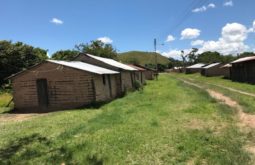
<point>66,55</point>
<point>246,54</point>
<point>97,48</point>
<point>15,57</point>
<point>192,56</point>
<point>184,58</point>
<point>209,57</point>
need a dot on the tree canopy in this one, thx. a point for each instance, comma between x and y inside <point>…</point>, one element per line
<point>15,57</point>
<point>97,48</point>
<point>66,55</point>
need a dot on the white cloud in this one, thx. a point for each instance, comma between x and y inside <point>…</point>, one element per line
<point>211,5</point>
<point>105,40</point>
<point>252,29</point>
<point>200,9</point>
<point>231,42</point>
<point>170,38</point>
<point>203,8</point>
<point>56,21</point>
<point>175,53</point>
<point>228,3</point>
<point>190,33</point>
<point>234,32</point>
<point>197,43</point>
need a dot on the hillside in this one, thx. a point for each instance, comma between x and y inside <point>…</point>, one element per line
<point>142,58</point>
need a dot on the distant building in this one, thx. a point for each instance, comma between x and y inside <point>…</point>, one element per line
<point>149,73</point>
<point>57,85</point>
<point>194,68</point>
<point>126,77</point>
<point>226,69</point>
<point>212,70</point>
<point>243,70</point>
<point>139,74</point>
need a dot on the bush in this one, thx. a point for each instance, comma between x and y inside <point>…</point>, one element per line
<point>138,85</point>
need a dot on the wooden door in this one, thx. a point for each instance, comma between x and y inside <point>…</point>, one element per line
<point>42,93</point>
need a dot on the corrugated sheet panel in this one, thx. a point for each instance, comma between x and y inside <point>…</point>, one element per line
<point>244,59</point>
<point>211,65</point>
<point>84,66</point>
<point>112,63</point>
<point>199,65</point>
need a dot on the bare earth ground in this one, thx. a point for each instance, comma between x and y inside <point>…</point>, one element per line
<point>16,117</point>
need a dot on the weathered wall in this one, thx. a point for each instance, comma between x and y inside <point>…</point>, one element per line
<point>243,72</point>
<point>126,79</point>
<point>67,87</point>
<point>106,87</point>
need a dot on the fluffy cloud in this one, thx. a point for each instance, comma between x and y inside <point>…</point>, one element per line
<point>211,5</point>
<point>175,53</point>
<point>170,38</point>
<point>254,25</point>
<point>56,21</point>
<point>228,3</point>
<point>203,8</point>
<point>197,43</point>
<point>234,32</point>
<point>200,9</point>
<point>231,42</point>
<point>105,40</point>
<point>190,33</point>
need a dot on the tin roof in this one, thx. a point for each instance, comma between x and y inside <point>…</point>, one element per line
<point>84,66</point>
<point>244,59</point>
<point>137,68</point>
<point>227,66</point>
<point>211,65</point>
<point>198,65</point>
<point>112,63</point>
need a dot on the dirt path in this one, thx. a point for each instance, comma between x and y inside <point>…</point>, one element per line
<point>230,89</point>
<point>245,119</point>
<point>16,117</point>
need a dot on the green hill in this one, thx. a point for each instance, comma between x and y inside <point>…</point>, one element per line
<point>142,58</point>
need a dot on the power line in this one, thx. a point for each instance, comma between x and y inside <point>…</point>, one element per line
<point>187,13</point>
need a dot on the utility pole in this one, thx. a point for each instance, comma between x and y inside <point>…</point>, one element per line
<point>156,57</point>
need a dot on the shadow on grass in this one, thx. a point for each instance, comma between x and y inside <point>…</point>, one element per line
<point>7,153</point>
<point>27,148</point>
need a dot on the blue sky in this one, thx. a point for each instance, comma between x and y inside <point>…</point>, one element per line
<point>132,24</point>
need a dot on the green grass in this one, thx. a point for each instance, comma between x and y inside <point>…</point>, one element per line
<point>142,58</point>
<point>247,102</point>
<point>166,123</point>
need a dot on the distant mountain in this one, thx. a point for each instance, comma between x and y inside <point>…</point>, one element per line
<point>142,58</point>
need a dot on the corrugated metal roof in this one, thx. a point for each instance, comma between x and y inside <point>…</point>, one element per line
<point>211,65</point>
<point>112,63</point>
<point>198,65</point>
<point>137,68</point>
<point>84,66</point>
<point>244,59</point>
<point>226,66</point>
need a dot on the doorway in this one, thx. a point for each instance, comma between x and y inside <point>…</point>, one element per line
<point>42,93</point>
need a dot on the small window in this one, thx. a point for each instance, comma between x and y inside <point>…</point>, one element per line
<point>104,79</point>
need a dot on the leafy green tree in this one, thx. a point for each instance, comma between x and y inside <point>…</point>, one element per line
<point>246,54</point>
<point>209,57</point>
<point>15,57</point>
<point>66,55</point>
<point>192,55</point>
<point>98,48</point>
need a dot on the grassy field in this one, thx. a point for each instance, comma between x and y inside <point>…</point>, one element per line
<point>216,83</point>
<point>142,58</point>
<point>166,123</point>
